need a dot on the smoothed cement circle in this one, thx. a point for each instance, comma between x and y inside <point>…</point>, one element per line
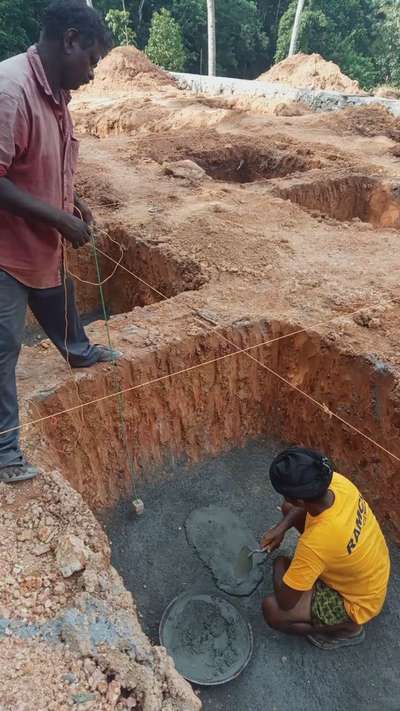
<point>207,637</point>
<point>218,536</point>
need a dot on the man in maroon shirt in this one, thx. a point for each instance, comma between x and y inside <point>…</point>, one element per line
<point>38,209</point>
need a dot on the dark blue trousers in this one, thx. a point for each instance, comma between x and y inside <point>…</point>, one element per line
<point>48,306</point>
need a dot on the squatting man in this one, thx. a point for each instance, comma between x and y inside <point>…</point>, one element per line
<point>338,578</point>
<point>39,211</point>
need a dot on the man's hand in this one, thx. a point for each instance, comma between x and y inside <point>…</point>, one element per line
<point>272,539</point>
<point>82,210</point>
<point>74,230</point>
<point>20,203</point>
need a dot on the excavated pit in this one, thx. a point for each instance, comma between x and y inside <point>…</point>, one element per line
<point>153,264</point>
<point>231,160</point>
<point>157,564</point>
<point>207,437</point>
<point>212,408</point>
<point>248,165</point>
<point>347,197</point>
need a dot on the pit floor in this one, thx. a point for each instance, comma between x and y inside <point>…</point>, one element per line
<point>285,674</point>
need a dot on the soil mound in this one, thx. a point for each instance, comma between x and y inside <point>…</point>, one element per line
<point>372,120</point>
<point>126,67</point>
<point>311,71</point>
<point>388,92</point>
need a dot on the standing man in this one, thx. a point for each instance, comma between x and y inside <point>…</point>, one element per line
<point>338,578</point>
<point>38,208</point>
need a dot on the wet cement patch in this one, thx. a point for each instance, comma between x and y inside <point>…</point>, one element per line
<point>285,673</point>
<point>218,536</point>
<point>207,637</point>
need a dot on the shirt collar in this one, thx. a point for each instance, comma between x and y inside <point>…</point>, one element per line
<point>38,71</point>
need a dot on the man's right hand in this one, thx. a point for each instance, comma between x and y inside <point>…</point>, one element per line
<point>272,539</point>
<point>74,230</point>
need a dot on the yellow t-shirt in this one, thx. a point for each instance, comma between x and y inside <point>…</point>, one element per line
<point>344,547</point>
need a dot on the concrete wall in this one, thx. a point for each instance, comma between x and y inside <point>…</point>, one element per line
<point>318,100</point>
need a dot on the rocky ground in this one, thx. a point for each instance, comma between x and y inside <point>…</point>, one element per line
<point>69,631</point>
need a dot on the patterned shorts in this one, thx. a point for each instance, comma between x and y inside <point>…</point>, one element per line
<point>327,606</point>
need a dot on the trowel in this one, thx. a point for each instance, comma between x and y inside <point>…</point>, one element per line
<point>245,561</point>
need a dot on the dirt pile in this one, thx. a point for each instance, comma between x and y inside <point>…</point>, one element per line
<point>370,121</point>
<point>311,71</point>
<point>124,68</point>
<point>69,631</point>
<point>388,92</point>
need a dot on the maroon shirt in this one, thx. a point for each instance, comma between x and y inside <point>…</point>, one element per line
<point>38,153</point>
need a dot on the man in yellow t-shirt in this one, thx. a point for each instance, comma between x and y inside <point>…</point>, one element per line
<point>338,578</point>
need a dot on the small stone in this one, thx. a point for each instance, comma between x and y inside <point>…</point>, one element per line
<point>98,682</point>
<point>89,665</point>
<point>41,549</point>
<point>71,555</point>
<point>82,697</point>
<point>59,588</point>
<point>113,693</point>
<point>25,535</point>
<point>89,580</point>
<point>138,506</point>
<point>362,319</point>
<point>45,534</point>
<point>284,660</point>
<point>70,678</point>
<point>374,323</point>
<point>187,169</point>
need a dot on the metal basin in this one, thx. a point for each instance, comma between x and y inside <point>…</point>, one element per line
<point>208,638</point>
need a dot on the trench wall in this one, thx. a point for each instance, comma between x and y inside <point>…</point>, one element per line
<point>219,406</point>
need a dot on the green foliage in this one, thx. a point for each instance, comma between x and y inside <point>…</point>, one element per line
<point>165,46</point>
<point>241,40</point>
<point>119,23</point>
<point>240,37</point>
<point>192,18</point>
<point>344,32</point>
<point>361,36</point>
<point>387,47</point>
<point>270,13</point>
<point>19,25</point>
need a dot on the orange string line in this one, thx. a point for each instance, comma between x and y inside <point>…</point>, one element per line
<point>238,351</point>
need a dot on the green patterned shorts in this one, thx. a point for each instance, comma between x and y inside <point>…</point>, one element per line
<point>327,606</point>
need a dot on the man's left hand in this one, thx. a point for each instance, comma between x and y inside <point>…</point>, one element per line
<point>83,210</point>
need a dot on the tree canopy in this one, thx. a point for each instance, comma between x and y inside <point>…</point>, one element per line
<point>344,32</point>
<point>362,36</point>
<point>165,46</point>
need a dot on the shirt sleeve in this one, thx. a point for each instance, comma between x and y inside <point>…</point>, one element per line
<point>14,132</point>
<point>305,568</point>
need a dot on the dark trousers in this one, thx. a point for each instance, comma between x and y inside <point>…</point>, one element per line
<point>48,306</point>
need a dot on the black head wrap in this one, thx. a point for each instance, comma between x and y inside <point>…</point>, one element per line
<point>299,473</point>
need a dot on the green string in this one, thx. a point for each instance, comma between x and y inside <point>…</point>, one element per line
<point>120,397</point>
